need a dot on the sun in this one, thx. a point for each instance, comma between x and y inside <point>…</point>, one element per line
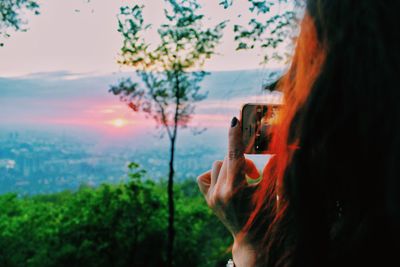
<point>119,123</point>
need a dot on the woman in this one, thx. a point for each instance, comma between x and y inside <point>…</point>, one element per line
<point>330,196</point>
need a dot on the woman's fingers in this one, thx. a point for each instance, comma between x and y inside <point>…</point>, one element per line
<point>236,160</point>
<point>216,168</point>
<point>204,182</point>
<point>225,187</point>
<point>207,180</point>
<point>227,177</point>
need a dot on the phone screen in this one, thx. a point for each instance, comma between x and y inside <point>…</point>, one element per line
<point>258,122</point>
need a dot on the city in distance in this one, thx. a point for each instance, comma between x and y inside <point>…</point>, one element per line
<point>64,130</point>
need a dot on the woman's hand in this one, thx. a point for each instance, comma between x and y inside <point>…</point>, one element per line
<point>226,189</point>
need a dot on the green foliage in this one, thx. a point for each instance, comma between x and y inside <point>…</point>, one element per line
<point>169,70</point>
<point>10,15</point>
<point>274,35</point>
<point>226,3</point>
<point>201,238</point>
<point>170,74</point>
<point>112,225</point>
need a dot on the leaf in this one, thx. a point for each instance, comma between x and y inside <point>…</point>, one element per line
<point>241,45</point>
<point>226,3</point>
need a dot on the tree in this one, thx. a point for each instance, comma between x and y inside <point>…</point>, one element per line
<point>120,225</point>
<point>111,225</point>
<point>273,34</point>
<point>169,74</point>
<point>10,15</point>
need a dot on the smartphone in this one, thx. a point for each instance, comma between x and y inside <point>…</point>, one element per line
<point>258,123</point>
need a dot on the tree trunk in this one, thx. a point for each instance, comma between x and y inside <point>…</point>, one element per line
<point>171,207</point>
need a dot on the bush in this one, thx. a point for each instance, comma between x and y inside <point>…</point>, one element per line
<point>111,225</point>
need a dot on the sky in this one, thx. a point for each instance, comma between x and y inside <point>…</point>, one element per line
<point>54,101</point>
<point>81,37</point>
<point>57,74</point>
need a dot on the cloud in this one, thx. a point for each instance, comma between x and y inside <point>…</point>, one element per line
<point>84,100</point>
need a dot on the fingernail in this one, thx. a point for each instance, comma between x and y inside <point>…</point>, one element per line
<point>234,122</point>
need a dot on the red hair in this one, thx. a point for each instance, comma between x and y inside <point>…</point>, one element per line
<point>296,85</point>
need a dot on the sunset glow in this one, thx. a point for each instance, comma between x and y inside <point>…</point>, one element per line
<point>119,123</point>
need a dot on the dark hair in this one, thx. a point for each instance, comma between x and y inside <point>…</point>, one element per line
<point>337,167</point>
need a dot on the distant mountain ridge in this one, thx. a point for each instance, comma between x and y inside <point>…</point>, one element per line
<point>63,84</point>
